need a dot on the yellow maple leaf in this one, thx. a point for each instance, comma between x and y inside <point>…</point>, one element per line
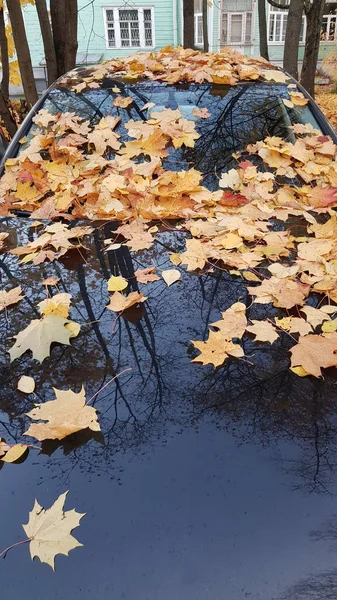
<point>61,417</point>
<point>216,349</point>
<point>49,531</point>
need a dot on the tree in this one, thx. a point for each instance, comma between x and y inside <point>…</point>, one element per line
<point>263,29</point>
<point>293,31</point>
<point>48,41</point>
<point>64,24</point>
<point>314,12</point>
<point>5,112</point>
<point>204,25</point>
<point>188,15</point>
<point>22,50</point>
<point>292,39</point>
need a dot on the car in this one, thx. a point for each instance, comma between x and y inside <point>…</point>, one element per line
<point>205,481</point>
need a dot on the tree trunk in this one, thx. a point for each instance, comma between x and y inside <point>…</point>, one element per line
<point>263,29</point>
<point>4,57</point>
<point>312,40</point>
<point>48,42</point>
<point>188,15</point>
<point>5,113</point>
<point>204,25</point>
<point>292,39</point>
<point>64,23</point>
<point>6,116</point>
<point>71,34</point>
<point>58,17</point>
<point>22,51</point>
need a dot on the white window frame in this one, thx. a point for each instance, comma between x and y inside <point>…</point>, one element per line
<point>197,17</point>
<point>118,45</point>
<point>283,13</point>
<point>330,18</point>
<point>243,41</point>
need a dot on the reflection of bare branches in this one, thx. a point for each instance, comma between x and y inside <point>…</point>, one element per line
<point>322,586</point>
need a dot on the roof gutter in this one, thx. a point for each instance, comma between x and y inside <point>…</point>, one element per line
<point>175,23</point>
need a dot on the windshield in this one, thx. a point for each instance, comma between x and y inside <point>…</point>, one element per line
<point>239,115</point>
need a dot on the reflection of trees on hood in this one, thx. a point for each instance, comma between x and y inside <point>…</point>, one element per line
<point>316,587</point>
<point>257,399</point>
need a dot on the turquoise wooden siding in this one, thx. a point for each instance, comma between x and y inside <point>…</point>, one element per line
<point>91,27</point>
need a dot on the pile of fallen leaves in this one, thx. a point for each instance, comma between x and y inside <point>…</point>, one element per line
<point>177,64</point>
<point>327,101</point>
<point>65,171</point>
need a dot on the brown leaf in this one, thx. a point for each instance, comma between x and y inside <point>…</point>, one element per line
<point>146,275</point>
<point>314,352</point>
<point>11,297</point>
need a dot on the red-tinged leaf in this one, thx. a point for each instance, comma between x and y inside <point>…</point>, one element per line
<point>230,199</point>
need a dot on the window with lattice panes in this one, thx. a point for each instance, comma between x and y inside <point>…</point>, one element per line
<point>236,28</point>
<point>129,27</point>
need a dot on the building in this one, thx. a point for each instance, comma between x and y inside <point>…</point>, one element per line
<point>117,28</point>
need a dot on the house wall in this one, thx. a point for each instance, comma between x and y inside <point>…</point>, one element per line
<point>276,50</point>
<point>91,27</point>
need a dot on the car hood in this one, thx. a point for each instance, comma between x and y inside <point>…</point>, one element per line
<point>205,484</point>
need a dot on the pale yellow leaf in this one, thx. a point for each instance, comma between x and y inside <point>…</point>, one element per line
<point>26,384</point>
<point>50,530</point>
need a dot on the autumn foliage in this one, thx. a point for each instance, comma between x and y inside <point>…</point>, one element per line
<point>248,226</point>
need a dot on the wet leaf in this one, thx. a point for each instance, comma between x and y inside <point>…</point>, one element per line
<point>65,415</point>
<point>119,303</point>
<point>216,349</point>
<point>26,384</point>
<point>50,530</point>
<point>11,297</point>
<point>171,276</point>
<point>38,337</point>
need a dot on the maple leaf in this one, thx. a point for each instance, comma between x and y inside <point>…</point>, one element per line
<point>65,415</point>
<point>119,303</point>
<point>316,316</point>
<point>233,322</point>
<point>121,102</point>
<point>43,118</point>
<point>313,352</point>
<point>146,275</point>
<point>216,349</point>
<point>194,256</point>
<point>11,297</point>
<point>319,197</point>
<point>57,305</point>
<point>263,331</point>
<point>39,335</point>
<point>137,234</point>
<point>283,293</point>
<point>49,531</point>
<point>298,98</point>
<point>51,281</point>
<point>273,75</point>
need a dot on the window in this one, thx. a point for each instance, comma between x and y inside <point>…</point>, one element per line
<point>277,25</point>
<point>129,28</point>
<point>329,23</point>
<point>236,28</point>
<point>198,29</point>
